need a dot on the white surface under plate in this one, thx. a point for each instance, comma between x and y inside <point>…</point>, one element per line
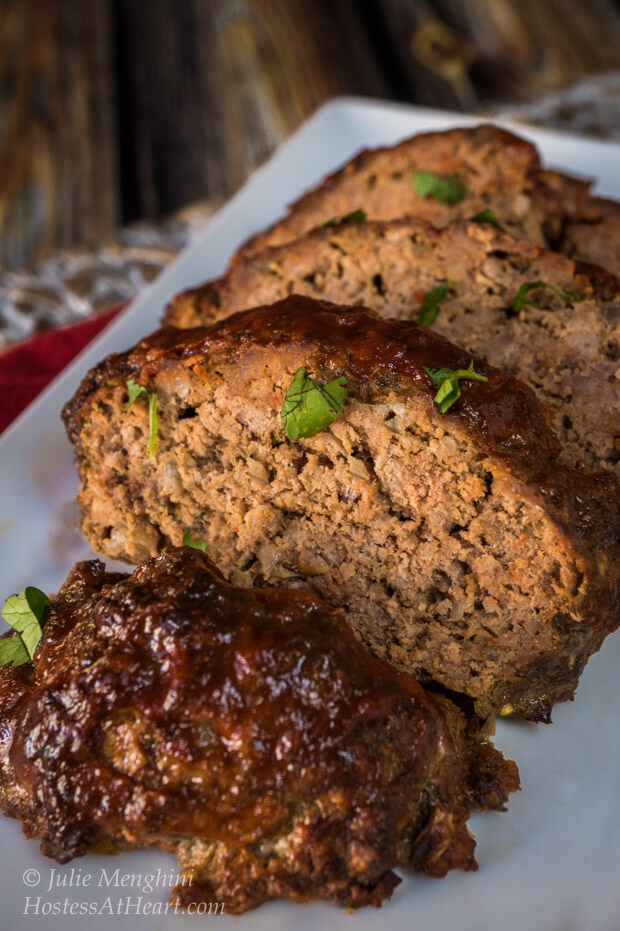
<point>553,860</point>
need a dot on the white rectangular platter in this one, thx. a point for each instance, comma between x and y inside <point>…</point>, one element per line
<point>552,862</point>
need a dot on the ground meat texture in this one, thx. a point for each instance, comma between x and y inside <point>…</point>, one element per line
<point>568,352</point>
<point>463,551</point>
<point>246,732</point>
<point>497,170</point>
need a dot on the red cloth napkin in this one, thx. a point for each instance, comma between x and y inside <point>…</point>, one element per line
<point>27,368</point>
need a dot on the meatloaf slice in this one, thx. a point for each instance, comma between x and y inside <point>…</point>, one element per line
<point>594,235</point>
<point>463,551</point>
<point>247,732</point>
<point>568,351</point>
<point>493,170</point>
<point>590,228</point>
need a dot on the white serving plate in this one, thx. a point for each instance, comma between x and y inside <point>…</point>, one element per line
<point>552,862</point>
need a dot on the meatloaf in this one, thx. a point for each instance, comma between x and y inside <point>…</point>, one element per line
<point>590,225</point>
<point>568,351</point>
<point>487,168</point>
<point>463,551</point>
<point>247,732</point>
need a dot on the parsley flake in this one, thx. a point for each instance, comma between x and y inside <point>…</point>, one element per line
<point>447,381</point>
<point>356,216</point>
<point>521,296</point>
<point>310,407</point>
<point>488,216</point>
<point>446,190</point>
<point>137,391</point>
<point>430,309</point>
<point>23,613</point>
<point>197,544</point>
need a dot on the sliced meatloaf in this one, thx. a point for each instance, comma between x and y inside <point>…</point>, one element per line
<point>247,732</point>
<point>487,168</point>
<point>590,228</point>
<point>463,551</point>
<point>569,351</point>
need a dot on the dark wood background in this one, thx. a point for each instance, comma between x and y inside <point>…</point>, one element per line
<point>116,109</point>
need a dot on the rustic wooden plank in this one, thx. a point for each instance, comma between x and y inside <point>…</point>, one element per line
<point>214,88</point>
<point>462,54</point>
<point>541,45</point>
<point>113,109</point>
<point>432,59</point>
<point>58,182</point>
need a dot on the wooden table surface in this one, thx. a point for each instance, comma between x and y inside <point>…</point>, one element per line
<point>116,109</point>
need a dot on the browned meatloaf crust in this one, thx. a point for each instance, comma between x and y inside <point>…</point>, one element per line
<point>497,170</point>
<point>247,732</point>
<point>568,352</point>
<point>462,549</point>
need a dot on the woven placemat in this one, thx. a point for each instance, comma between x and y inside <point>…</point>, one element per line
<point>71,285</point>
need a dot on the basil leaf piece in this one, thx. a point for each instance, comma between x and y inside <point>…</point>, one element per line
<point>488,216</point>
<point>138,391</point>
<point>23,613</point>
<point>429,311</point>
<point>520,299</point>
<point>310,407</point>
<point>356,216</point>
<point>447,190</point>
<point>447,381</point>
<point>197,544</point>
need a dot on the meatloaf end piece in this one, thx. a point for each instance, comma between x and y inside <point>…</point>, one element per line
<point>246,732</point>
<point>496,171</point>
<point>567,351</point>
<point>463,551</point>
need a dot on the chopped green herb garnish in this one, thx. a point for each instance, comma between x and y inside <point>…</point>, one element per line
<point>429,311</point>
<point>12,650</point>
<point>137,391</point>
<point>150,449</point>
<point>188,540</point>
<point>23,613</point>
<point>488,216</point>
<point>356,216</point>
<point>447,381</point>
<point>446,190</point>
<point>521,296</point>
<point>310,407</point>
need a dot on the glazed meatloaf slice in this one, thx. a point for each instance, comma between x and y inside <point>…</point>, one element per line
<point>479,169</point>
<point>567,347</point>
<point>247,732</point>
<point>463,551</point>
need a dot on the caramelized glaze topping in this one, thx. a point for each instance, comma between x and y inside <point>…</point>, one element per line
<point>172,702</point>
